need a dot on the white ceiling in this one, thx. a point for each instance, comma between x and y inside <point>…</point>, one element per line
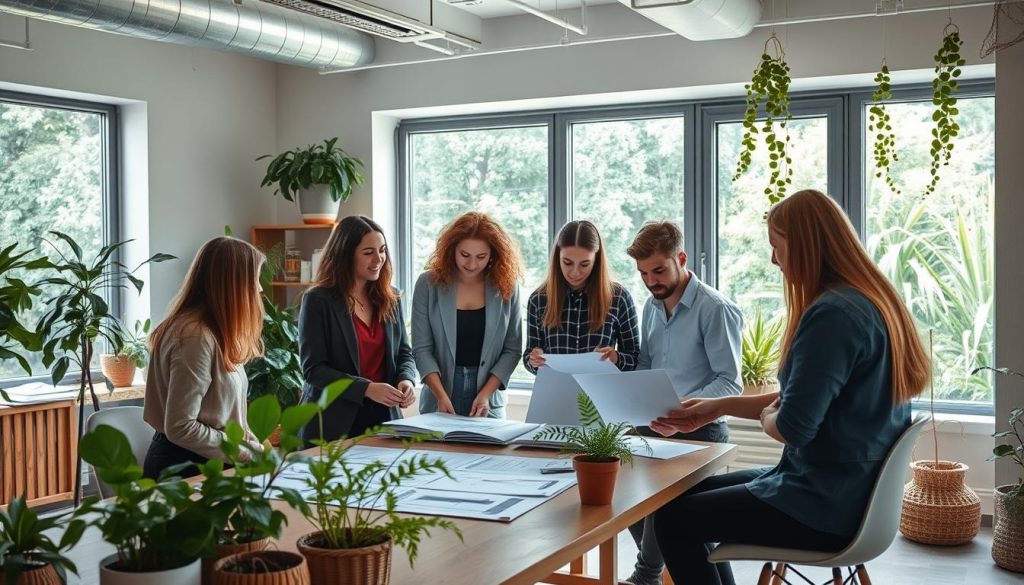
<point>498,8</point>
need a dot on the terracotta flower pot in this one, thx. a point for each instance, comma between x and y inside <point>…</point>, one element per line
<point>190,574</point>
<point>43,575</point>
<point>119,370</point>
<point>937,507</point>
<point>227,550</point>
<point>280,568</point>
<point>1008,535</point>
<point>596,480</point>
<point>369,565</point>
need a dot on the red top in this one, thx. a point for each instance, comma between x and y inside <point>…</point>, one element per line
<point>371,349</point>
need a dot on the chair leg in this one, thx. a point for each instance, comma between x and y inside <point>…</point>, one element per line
<point>766,575</point>
<point>837,576</point>
<point>780,574</point>
<point>862,575</point>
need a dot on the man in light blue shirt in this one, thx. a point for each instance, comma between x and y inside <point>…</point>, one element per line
<point>691,331</point>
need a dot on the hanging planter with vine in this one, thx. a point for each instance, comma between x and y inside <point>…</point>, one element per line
<point>944,86</point>
<point>880,127</point>
<point>770,85</point>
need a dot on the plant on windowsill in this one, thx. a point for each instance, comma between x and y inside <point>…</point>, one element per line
<point>598,448</point>
<point>239,502</point>
<point>320,176</point>
<point>79,316</point>
<point>27,555</point>
<point>158,529</point>
<point>760,355</point>
<point>354,513</point>
<point>119,368</point>
<point>1008,534</point>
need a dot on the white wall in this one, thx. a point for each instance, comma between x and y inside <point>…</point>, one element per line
<point>193,121</point>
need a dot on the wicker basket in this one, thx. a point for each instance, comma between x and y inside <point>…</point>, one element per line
<point>1008,536</point>
<point>45,575</point>
<point>296,573</point>
<point>937,507</point>
<point>226,550</point>
<point>369,565</point>
<point>119,370</point>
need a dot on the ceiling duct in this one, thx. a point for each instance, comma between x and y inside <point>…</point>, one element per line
<point>251,27</point>
<point>366,18</point>
<point>701,20</point>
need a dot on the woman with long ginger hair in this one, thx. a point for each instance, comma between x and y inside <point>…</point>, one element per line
<point>578,308</point>
<point>196,383</point>
<point>466,327</point>
<point>350,328</point>
<point>851,361</point>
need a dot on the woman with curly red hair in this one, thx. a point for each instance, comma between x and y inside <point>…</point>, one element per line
<point>467,334</point>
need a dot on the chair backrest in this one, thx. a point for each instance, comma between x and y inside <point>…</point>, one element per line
<point>882,515</point>
<point>128,420</point>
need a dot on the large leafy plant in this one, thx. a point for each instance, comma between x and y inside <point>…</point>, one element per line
<point>278,371</point>
<point>594,440</point>
<point>79,316</point>
<point>1014,449</point>
<point>17,296</point>
<point>317,164</point>
<point>760,353</point>
<point>24,544</point>
<point>155,525</point>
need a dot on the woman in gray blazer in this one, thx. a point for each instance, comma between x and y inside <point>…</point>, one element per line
<point>467,331</point>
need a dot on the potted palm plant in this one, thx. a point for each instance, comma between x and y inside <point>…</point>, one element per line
<point>598,448</point>
<point>320,176</point>
<point>1008,534</point>
<point>119,368</point>
<point>158,529</point>
<point>760,355</point>
<point>27,555</point>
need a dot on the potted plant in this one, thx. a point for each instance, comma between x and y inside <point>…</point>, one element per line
<point>320,176</point>
<point>119,368</point>
<point>760,355</point>
<point>27,555</point>
<point>15,297</point>
<point>79,316</point>
<point>157,527</point>
<point>1008,534</point>
<point>599,449</point>
<point>354,513</point>
<point>239,503</point>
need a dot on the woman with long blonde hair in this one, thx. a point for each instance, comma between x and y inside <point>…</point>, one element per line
<point>851,362</point>
<point>196,382</point>
<point>578,308</point>
<point>350,328</point>
<point>466,327</point>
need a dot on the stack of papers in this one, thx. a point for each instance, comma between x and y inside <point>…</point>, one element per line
<point>38,393</point>
<point>463,429</point>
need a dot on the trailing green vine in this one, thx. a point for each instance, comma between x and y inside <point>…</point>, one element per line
<point>880,127</point>
<point>769,84</point>
<point>947,68</point>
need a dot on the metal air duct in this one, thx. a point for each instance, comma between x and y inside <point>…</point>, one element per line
<point>250,27</point>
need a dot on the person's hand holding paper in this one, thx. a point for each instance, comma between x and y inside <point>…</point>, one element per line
<point>690,416</point>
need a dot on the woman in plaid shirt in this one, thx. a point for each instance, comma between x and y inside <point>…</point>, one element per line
<point>578,309</point>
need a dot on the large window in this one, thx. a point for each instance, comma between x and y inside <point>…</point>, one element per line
<point>621,167</point>
<point>55,171</point>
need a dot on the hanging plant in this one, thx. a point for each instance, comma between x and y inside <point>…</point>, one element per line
<point>880,127</point>
<point>770,85</point>
<point>947,69</point>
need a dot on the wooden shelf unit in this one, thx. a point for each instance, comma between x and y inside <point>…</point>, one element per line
<point>306,236</point>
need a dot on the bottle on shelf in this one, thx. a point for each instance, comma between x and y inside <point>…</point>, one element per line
<point>292,264</point>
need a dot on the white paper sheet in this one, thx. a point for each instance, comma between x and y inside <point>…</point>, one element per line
<point>579,363</point>
<point>553,400</point>
<point>659,448</point>
<point>633,397</point>
<point>534,486</point>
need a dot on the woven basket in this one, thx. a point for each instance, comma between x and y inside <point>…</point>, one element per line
<point>1008,536</point>
<point>226,550</point>
<point>369,565</point>
<point>42,576</point>
<point>296,573</point>
<point>119,370</point>
<point>937,507</point>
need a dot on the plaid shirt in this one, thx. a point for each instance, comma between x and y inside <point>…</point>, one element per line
<point>620,329</point>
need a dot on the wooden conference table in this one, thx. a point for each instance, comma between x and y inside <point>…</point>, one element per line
<point>528,550</point>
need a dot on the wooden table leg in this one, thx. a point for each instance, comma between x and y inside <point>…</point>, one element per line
<point>608,569</point>
<point>578,566</point>
<point>780,574</point>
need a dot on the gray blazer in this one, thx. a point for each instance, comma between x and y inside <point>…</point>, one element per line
<point>433,338</point>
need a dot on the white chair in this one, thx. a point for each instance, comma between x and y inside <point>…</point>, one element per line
<point>128,420</point>
<point>877,528</point>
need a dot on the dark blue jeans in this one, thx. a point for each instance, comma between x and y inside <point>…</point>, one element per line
<point>464,391</point>
<point>649,563</point>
